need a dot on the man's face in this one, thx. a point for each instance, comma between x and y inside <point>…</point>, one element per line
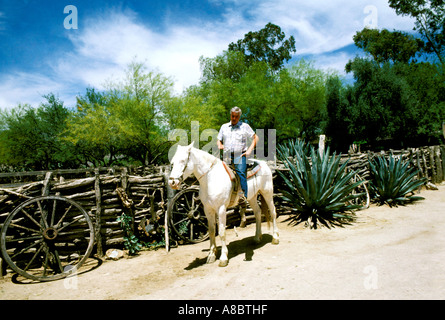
<point>234,118</point>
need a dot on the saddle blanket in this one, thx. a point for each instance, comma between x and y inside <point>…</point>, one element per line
<point>236,181</point>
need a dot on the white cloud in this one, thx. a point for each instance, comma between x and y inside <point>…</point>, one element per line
<point>104,45</point>
<point>325,25</point>
<point>25,88</point>
<point>323,29</point>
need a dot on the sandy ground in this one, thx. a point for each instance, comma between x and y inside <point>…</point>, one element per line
<point>388,253</point>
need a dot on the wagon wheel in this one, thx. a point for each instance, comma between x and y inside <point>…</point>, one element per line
<point>47,238</point>
<point>364,199</point>
<point>186,216</point>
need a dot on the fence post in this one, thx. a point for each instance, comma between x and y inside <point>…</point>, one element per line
<point>433,166</point>
<point>425,165</point>
<point>442,151</point>
<point>45,188</point>
<point>321,144</point>
<point>2,267</point>
<point>98,193</point>
<point>419,167</point>
<point>170,195</point>
<point>438,164</point>
<point>125,187</point>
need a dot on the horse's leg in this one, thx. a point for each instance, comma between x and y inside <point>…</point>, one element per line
<point>242,212</point>
<point>223,259</point>
<point>257,211</point>
<point>211,223</point>
<point>268,198</point>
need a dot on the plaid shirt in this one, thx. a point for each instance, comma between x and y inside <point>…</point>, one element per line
<point>235,137</point>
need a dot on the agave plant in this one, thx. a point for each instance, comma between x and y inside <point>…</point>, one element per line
<point>291,148</point>
<point>393,181</point>
<point>320,192</point>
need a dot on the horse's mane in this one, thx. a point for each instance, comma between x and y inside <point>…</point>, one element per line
<point>207,156</point>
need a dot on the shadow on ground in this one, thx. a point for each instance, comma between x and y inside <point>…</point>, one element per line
<point>246,246</point>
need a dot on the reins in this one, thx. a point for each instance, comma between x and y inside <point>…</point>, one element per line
<point>185,167</point>
<point>211,167</point>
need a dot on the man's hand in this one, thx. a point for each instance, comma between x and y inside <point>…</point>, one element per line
<point>251,147</point>
<point>246,154</point>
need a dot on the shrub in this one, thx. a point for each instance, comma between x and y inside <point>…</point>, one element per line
<point>291,148</point>
<point>392,181</point>
<point>321,192</point>
<point>131,242</point>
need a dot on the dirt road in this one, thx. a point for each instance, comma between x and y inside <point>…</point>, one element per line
<point>388,253</point>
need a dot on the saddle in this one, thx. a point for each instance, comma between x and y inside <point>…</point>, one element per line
<point>236,186</point>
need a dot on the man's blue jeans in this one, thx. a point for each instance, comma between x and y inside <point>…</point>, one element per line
<point>240,164</point>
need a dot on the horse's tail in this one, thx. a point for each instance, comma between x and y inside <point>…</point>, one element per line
<point>265,210</point>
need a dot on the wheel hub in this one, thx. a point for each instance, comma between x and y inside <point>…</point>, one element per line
<point>194,214</point>
<point>50,233</point>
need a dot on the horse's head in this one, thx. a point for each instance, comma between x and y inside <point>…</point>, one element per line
<point>181,168</point>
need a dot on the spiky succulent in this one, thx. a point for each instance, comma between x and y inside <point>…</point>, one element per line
<point>393,181</point>
<point>319,190</point>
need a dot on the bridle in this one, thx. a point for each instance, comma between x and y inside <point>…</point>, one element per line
<point>180,178</point>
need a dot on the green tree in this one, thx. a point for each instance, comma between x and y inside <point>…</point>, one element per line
<point>387,46</point>
<point>126,122</point>
<point>391,105</point>
<point>139,105</point>
<point>17,135</point>
<point>230,65</point>
<point>381,102</point>
<point>301,101</point>
<point>427,83</point>
<point>218,87</point>
<point>190,107</point>
<point>430,22</point>
<point>267,44</point>
<point>92,129</point>
<point>338,115</point>
<point>52,116</point>
<point>31,137</point>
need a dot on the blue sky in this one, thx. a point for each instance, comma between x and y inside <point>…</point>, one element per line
<point>38,55</point>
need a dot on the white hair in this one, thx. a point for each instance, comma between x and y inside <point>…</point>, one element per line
<point>236,110</point>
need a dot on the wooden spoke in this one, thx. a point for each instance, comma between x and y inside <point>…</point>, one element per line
<point>186,215</point>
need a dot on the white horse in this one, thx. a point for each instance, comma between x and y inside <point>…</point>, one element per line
<point>215,192</point>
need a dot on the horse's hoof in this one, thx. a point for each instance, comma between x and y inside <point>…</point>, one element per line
<point>223,263</point>
<point>257,240</point>
<point>243,224</point>
<point>211,259</point>
<point>275,241</point>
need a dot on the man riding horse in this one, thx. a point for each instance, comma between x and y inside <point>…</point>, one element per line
<point>232,139</point>
<point>215,184</point>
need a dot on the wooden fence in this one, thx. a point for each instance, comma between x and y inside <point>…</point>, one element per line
<point>430,161</point>
<point>106,193</point>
